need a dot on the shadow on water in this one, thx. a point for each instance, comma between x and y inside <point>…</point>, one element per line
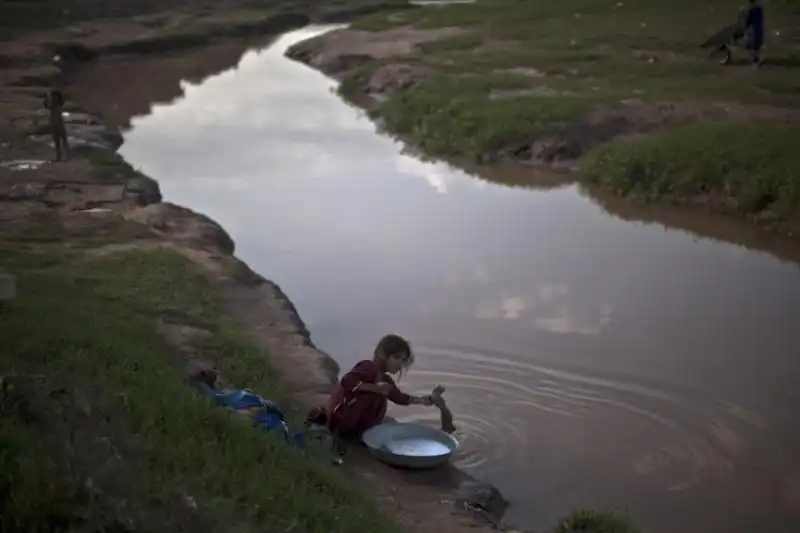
<point>507,174</point>
<point>695,222</point>
<point>131,86</point>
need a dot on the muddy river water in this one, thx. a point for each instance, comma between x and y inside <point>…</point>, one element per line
<point>590,360</point>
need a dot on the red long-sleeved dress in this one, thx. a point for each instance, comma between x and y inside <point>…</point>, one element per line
<point>350,411</point>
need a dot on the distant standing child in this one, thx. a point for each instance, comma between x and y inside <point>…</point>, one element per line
<point>54,102</point>
<point>359,401</point>
<point>755,25</point>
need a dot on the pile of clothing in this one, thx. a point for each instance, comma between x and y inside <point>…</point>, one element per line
<point>264,414</point>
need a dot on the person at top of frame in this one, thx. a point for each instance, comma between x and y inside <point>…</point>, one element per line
<point>748,26</point>
<point>754,24</point>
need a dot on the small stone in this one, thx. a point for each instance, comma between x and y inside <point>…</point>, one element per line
<point>146,190</point>
<point>27,191</point>
<point>190,502</point>
<point>474,495</point>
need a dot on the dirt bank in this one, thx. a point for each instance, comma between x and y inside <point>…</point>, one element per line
<point>609,94</point>
<point>99,207</point>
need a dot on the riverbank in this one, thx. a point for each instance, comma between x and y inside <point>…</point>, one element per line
<point>117,293</point>
<point>611,94</point>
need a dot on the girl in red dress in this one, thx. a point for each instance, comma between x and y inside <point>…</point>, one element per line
<point>359,401</point>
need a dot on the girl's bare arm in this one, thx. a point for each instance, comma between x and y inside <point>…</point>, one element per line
<point>420,400</point>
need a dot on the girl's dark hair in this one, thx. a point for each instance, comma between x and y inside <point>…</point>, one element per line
<point>392,344</point>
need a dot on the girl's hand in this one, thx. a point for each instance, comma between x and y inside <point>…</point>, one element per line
<point>421,400</point>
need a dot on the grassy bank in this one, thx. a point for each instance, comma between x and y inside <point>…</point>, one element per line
<point>98,430</point>
<point>453,118</point>
<point>742,167</point>
<point>585,72</point>
<point>587,521</point>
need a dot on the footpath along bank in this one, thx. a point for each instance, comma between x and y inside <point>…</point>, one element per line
<point>118,292</point>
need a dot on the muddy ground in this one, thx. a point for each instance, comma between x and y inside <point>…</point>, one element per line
<point>111,70</point>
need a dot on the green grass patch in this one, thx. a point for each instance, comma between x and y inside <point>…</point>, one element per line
<point>78,231</point>
<point>602,53</point>
<point>605,48</point>
<point>454,117</point>
<point>356,79</point>
<point>755,165</point>
<point>461,44</point>
<point>588,521</point>
<point>109,161</point>
<point>98,431</point>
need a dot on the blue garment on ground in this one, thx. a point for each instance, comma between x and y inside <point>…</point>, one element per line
<point>269,418</point>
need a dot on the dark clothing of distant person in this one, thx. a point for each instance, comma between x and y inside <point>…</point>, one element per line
<point>754,23</point>
<point>54,103</point>
<point>749,26</point>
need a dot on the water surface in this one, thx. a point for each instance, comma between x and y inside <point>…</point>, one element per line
<point>590,360</point>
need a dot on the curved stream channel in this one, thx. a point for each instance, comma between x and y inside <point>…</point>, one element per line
<point>590,360</point>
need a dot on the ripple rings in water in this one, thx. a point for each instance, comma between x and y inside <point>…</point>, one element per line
<point>667,438</point>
